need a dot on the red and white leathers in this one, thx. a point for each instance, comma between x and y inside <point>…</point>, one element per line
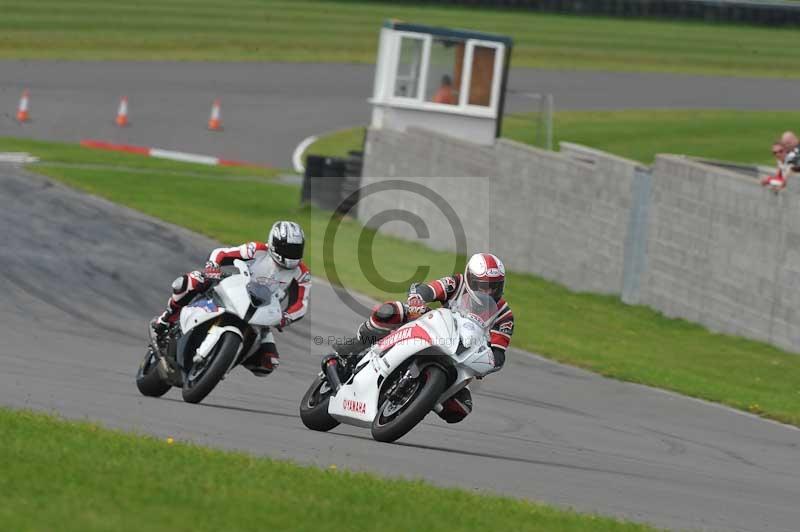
<point>295,282</point>
<point>444,290</point>
<point>392,314</point>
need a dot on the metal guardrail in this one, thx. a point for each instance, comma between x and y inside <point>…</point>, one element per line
<point>773,13</point>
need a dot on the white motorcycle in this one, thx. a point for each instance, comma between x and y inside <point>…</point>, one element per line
<point>410,372</point>
<point>217,331</point>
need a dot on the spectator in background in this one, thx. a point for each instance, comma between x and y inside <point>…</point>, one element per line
<point>777,181</point>
<point>791,162</point>
<point>445,92</point>
<point>789,141</point>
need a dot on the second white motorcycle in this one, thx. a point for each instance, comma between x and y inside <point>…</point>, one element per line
<point>217,331</point>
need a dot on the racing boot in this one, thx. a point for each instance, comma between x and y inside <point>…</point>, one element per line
<point>263,362</point>
<point>158,332</point>
<point>351,350</point>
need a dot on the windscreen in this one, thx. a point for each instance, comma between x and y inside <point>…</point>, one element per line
<point>260,293</point>
<point>477,307</point>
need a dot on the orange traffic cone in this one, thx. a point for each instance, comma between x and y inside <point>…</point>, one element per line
<point>215,120</point>
<point>22,111</point>
<point>122,112</point>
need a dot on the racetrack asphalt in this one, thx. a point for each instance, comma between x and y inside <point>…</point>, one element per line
<point>268,108</point>
<point>82,276</point>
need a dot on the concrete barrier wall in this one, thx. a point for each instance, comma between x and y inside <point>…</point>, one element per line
<point>722,251</point>
<point>568,218</point>
<point>692,240</point>
<point>444,174</point>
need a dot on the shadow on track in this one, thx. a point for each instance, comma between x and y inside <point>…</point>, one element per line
<point>237,408</point>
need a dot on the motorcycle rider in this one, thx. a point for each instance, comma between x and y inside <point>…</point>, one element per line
<point>484,273</point>
<point>279,258</point>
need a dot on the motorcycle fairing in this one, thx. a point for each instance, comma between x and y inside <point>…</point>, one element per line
<point>357,401</point>
<point>200,311</point>
<point>232,292</point>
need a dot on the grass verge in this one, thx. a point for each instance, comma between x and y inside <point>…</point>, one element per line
<point>342,31</point>
<point>70,476</point>
<point>337,143</point>
<point>741,136</point>
<point>74,154</point>
<point>639,134</point>
<point>591,331</point>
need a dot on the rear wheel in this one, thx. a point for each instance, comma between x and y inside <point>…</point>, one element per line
<point>314,406</point>
<point>205,375</point>
<point>403,408</point>
<point>148,380</point>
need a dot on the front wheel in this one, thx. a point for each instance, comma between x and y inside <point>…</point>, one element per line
<point>407,406</point>
<point>148,380</point>
<point>204,376</point>
<point>314,406</point>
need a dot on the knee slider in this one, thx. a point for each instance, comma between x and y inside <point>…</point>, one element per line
<point>385,312</point>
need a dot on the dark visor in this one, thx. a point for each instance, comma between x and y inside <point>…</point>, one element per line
<point>488,285</point>
<point>290,251</point>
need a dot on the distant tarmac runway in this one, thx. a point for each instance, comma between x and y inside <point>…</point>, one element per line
<point>268,108</point>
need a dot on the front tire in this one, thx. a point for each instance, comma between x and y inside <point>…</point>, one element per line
<point>387,427</point>
<point>314,406</point>
<point>197,386</point>
<point>148,380</point>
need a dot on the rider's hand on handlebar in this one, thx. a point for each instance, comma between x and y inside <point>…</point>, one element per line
<point>212,271</point>
<point>416,306</point>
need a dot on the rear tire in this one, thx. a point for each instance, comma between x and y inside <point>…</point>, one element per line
<point>433,382</point>
<point>148,380</point>
<point>314,407</point>
<point>218,362</point>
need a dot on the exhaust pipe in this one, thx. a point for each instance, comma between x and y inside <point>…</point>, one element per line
<point>330,366</point>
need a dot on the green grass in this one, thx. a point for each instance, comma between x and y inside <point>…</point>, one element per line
<point>337,143</point>
<point>80,477</point>
<point>741,136</point>
<point>595,332</point>
<point>263,30</point>
<point>59,152</point>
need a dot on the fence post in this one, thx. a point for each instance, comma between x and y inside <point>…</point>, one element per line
<point>635,252</point>
<point>548,121</point>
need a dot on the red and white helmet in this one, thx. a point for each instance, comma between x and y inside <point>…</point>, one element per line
<point>485,273</point>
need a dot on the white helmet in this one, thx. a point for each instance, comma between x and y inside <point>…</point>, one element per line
<point>485,273</point>
<point>286,242</point>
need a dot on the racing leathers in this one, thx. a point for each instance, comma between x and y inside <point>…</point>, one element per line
<point>392,314</point>
<point>295,283</point>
